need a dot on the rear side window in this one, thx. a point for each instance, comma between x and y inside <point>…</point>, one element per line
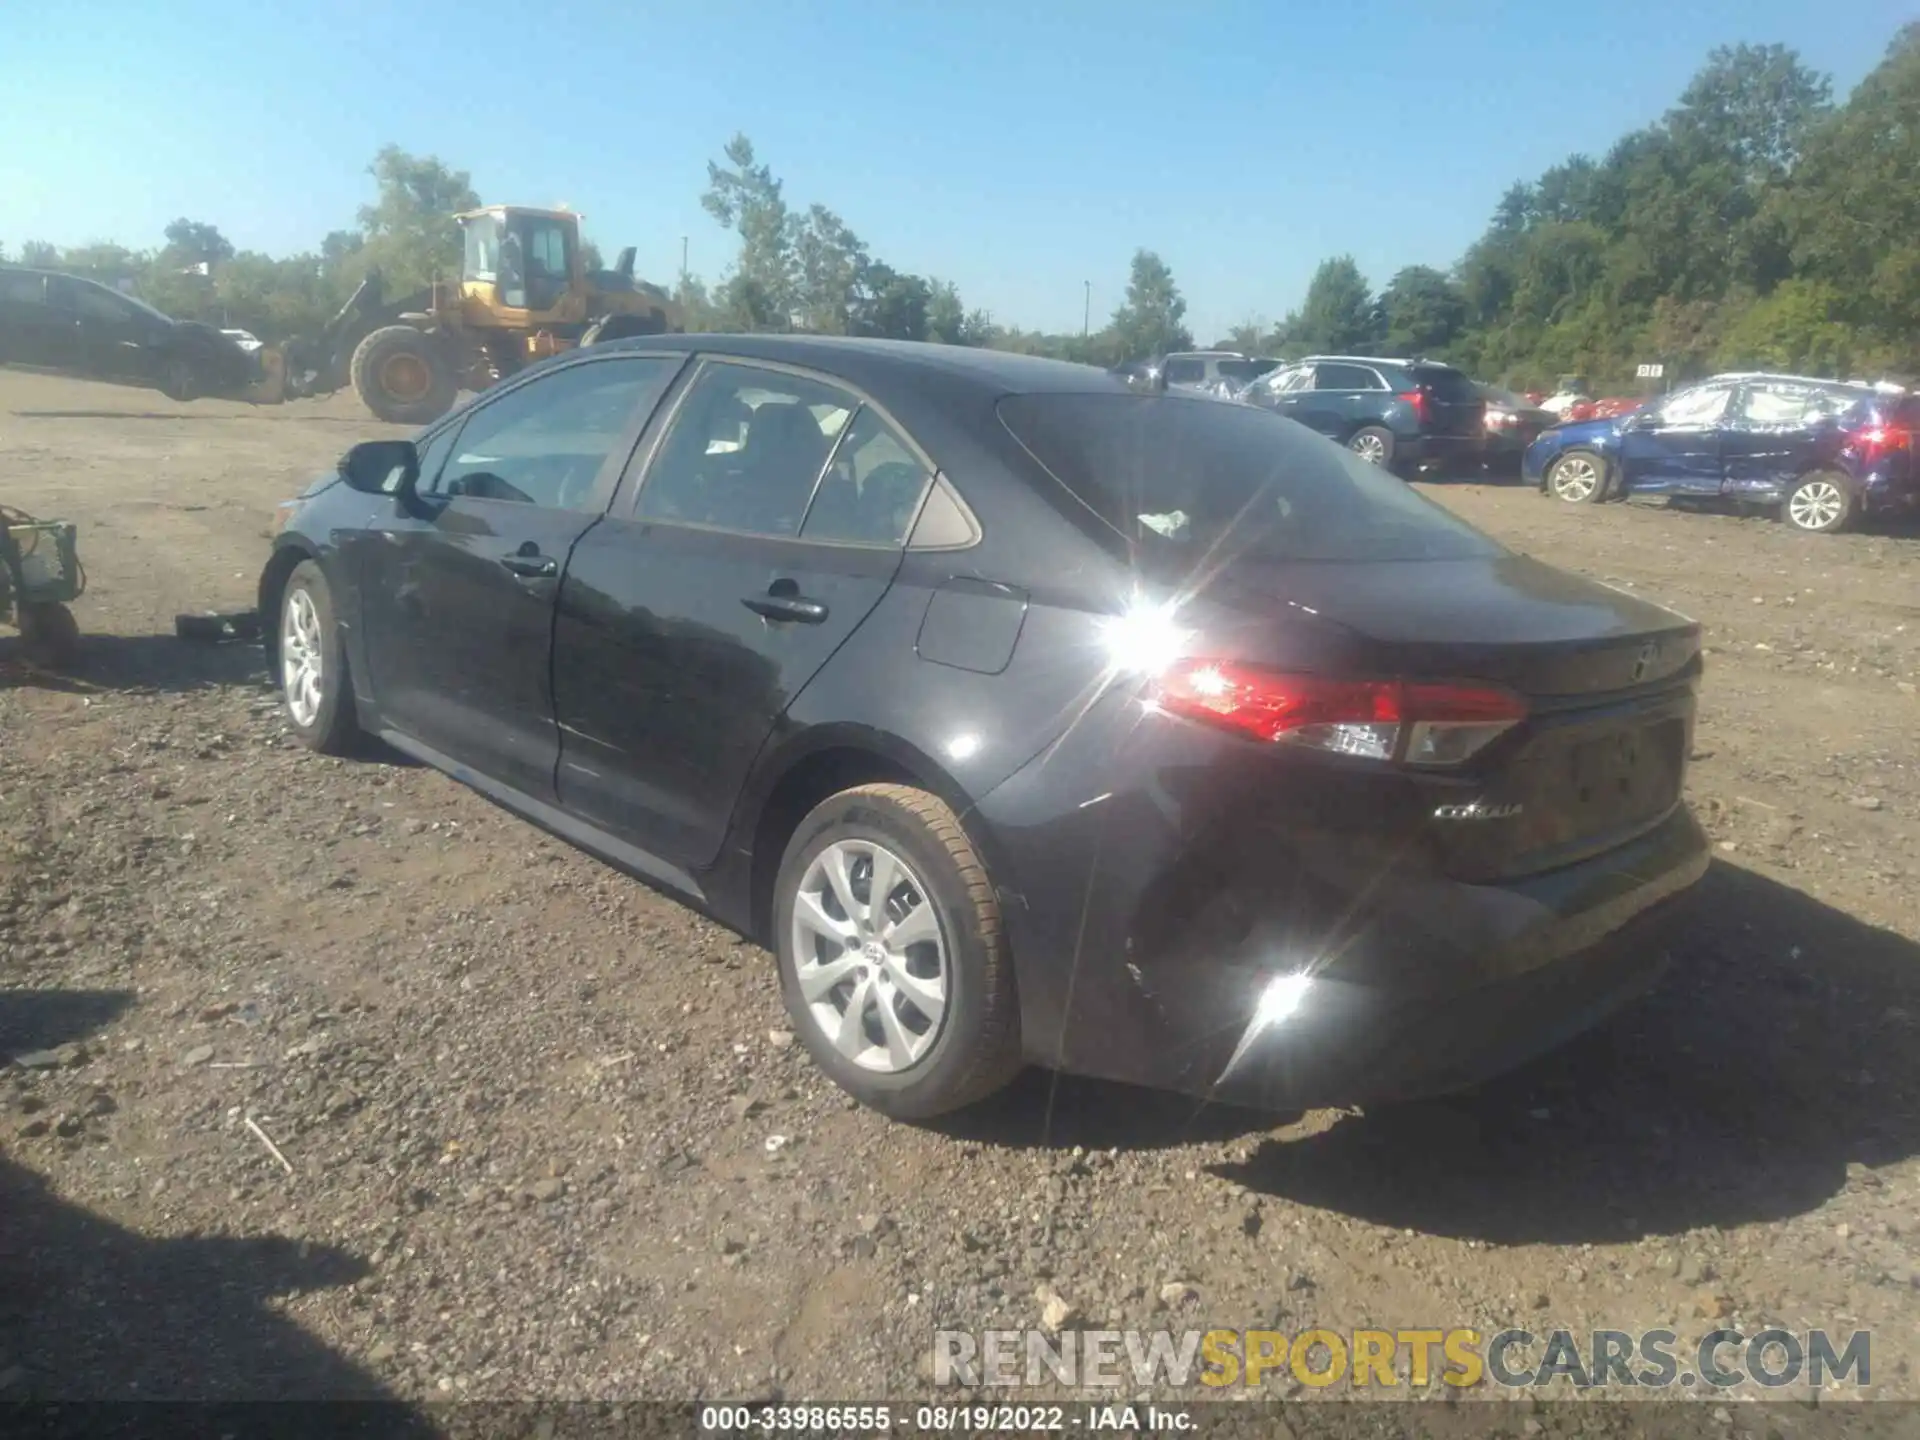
<point>1186,370</point>
<point>1445,383</point>
<point>1187,481</point>
<point>19,288</point>
<point>1345,377</point>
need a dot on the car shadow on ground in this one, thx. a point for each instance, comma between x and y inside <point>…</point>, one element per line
<point>164,664</point>
<point>93,1312</point>
<point>1045,1111</point>
<point>1779,1058</point>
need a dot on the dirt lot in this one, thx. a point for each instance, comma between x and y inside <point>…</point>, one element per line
<point>549,1135</point>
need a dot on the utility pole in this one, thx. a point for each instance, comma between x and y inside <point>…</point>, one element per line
<point>683,256</point>
<point>1086,315</point>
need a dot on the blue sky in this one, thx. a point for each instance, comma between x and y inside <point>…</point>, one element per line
<point>1018,149</point>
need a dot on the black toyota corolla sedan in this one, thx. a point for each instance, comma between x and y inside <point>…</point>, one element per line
<point>1026,717</point>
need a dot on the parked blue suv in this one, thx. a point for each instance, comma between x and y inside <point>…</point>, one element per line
<point>1821,452</point>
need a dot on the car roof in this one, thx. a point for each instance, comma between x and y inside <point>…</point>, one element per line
<point>1731,376</point>
<point>884,364</point>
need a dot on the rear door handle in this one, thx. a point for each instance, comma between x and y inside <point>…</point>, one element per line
<point>531,567</point>
<point>777,606</point>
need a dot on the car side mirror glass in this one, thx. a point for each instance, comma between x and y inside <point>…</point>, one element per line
<point>382,467</point>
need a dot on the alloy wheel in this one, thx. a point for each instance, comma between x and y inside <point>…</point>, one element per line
<point>1576,479</point>
<point>1816,505</point>
<point>870,955</point>
<point>1370,448</point>
<point>301,667</point>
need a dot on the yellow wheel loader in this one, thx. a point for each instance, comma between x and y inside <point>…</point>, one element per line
<point>524,293</point>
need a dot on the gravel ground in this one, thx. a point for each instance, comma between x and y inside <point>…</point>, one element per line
<point>546,1135</point>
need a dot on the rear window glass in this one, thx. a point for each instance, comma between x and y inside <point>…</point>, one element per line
<point>1194,482</point>
<point>1445,382</point>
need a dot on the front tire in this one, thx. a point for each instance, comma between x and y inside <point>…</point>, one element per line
<point>402,375</point>
<point>1578,477</point>
<point>904,998</point>
<point>1373,444</point>
<point>314,684</point>
<point>179,380</point>
<point>1822,503</point>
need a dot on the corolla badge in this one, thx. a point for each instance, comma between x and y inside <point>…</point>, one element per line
<point>1476,810</point>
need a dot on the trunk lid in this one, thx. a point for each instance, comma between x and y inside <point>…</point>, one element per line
<point>1453,403</point>
<point>1609,681</point>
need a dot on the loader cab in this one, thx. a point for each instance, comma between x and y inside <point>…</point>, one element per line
<point>527,256</point>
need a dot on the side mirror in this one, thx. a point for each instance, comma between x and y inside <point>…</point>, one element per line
<point>382,467</point>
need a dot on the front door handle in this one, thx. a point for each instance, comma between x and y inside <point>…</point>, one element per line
<point>783,601</point>
<point>531,567</point>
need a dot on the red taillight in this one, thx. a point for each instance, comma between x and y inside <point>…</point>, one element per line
<point>1419,722</point>
<point>1878,440</point>
<point>1418,400</point>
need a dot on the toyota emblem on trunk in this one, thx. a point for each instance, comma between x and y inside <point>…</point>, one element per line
<point>1643,662</point>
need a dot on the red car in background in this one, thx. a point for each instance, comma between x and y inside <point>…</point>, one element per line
<point>1608,409</point>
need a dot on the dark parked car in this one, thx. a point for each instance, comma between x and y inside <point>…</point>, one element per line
<point>1821,452</point>
<point>1512,425</point>
<point>71,326</point>
<point>1026,717</point>
<point>1400,414</point>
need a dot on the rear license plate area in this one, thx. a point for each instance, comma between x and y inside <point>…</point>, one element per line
<point>1625,775</point>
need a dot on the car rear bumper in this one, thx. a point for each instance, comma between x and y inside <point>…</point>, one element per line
<point>1145,942</point>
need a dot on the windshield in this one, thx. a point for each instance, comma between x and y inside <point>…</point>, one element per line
<point>1194,481</point>
<point>1505,399</point>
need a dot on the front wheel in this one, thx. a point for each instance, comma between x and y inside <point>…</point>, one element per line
<point>179,380</point>
<point>403,376</point>
<point>1821,503</point>
<point>1373,444</point>
<point>893,963</point>
<point>313,664</point>
<point>1579,477</point>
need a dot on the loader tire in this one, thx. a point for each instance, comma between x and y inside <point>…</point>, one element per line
<point>402,375</point>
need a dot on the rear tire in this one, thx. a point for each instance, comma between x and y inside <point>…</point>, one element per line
<point>403,376</point>
<point>1373,444</point>
<point>1578,477</point>
<point>844,970</point>
<point>1822,503</point>
<point>312,663</point>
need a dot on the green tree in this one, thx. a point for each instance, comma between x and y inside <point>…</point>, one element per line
<point>1422,312</point>
<point>1149,321</point>
<point>409,228</point>
<point>1338,316</point>
<point>745,197</point>
<point>194,242</point>
<point>831,267</point>
<point>39,255</point>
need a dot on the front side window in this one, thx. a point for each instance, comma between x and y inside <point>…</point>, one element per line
<point>1705,406</point>
<point>745,451</point>
<point>101,306</point>
<point>544,442</point>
